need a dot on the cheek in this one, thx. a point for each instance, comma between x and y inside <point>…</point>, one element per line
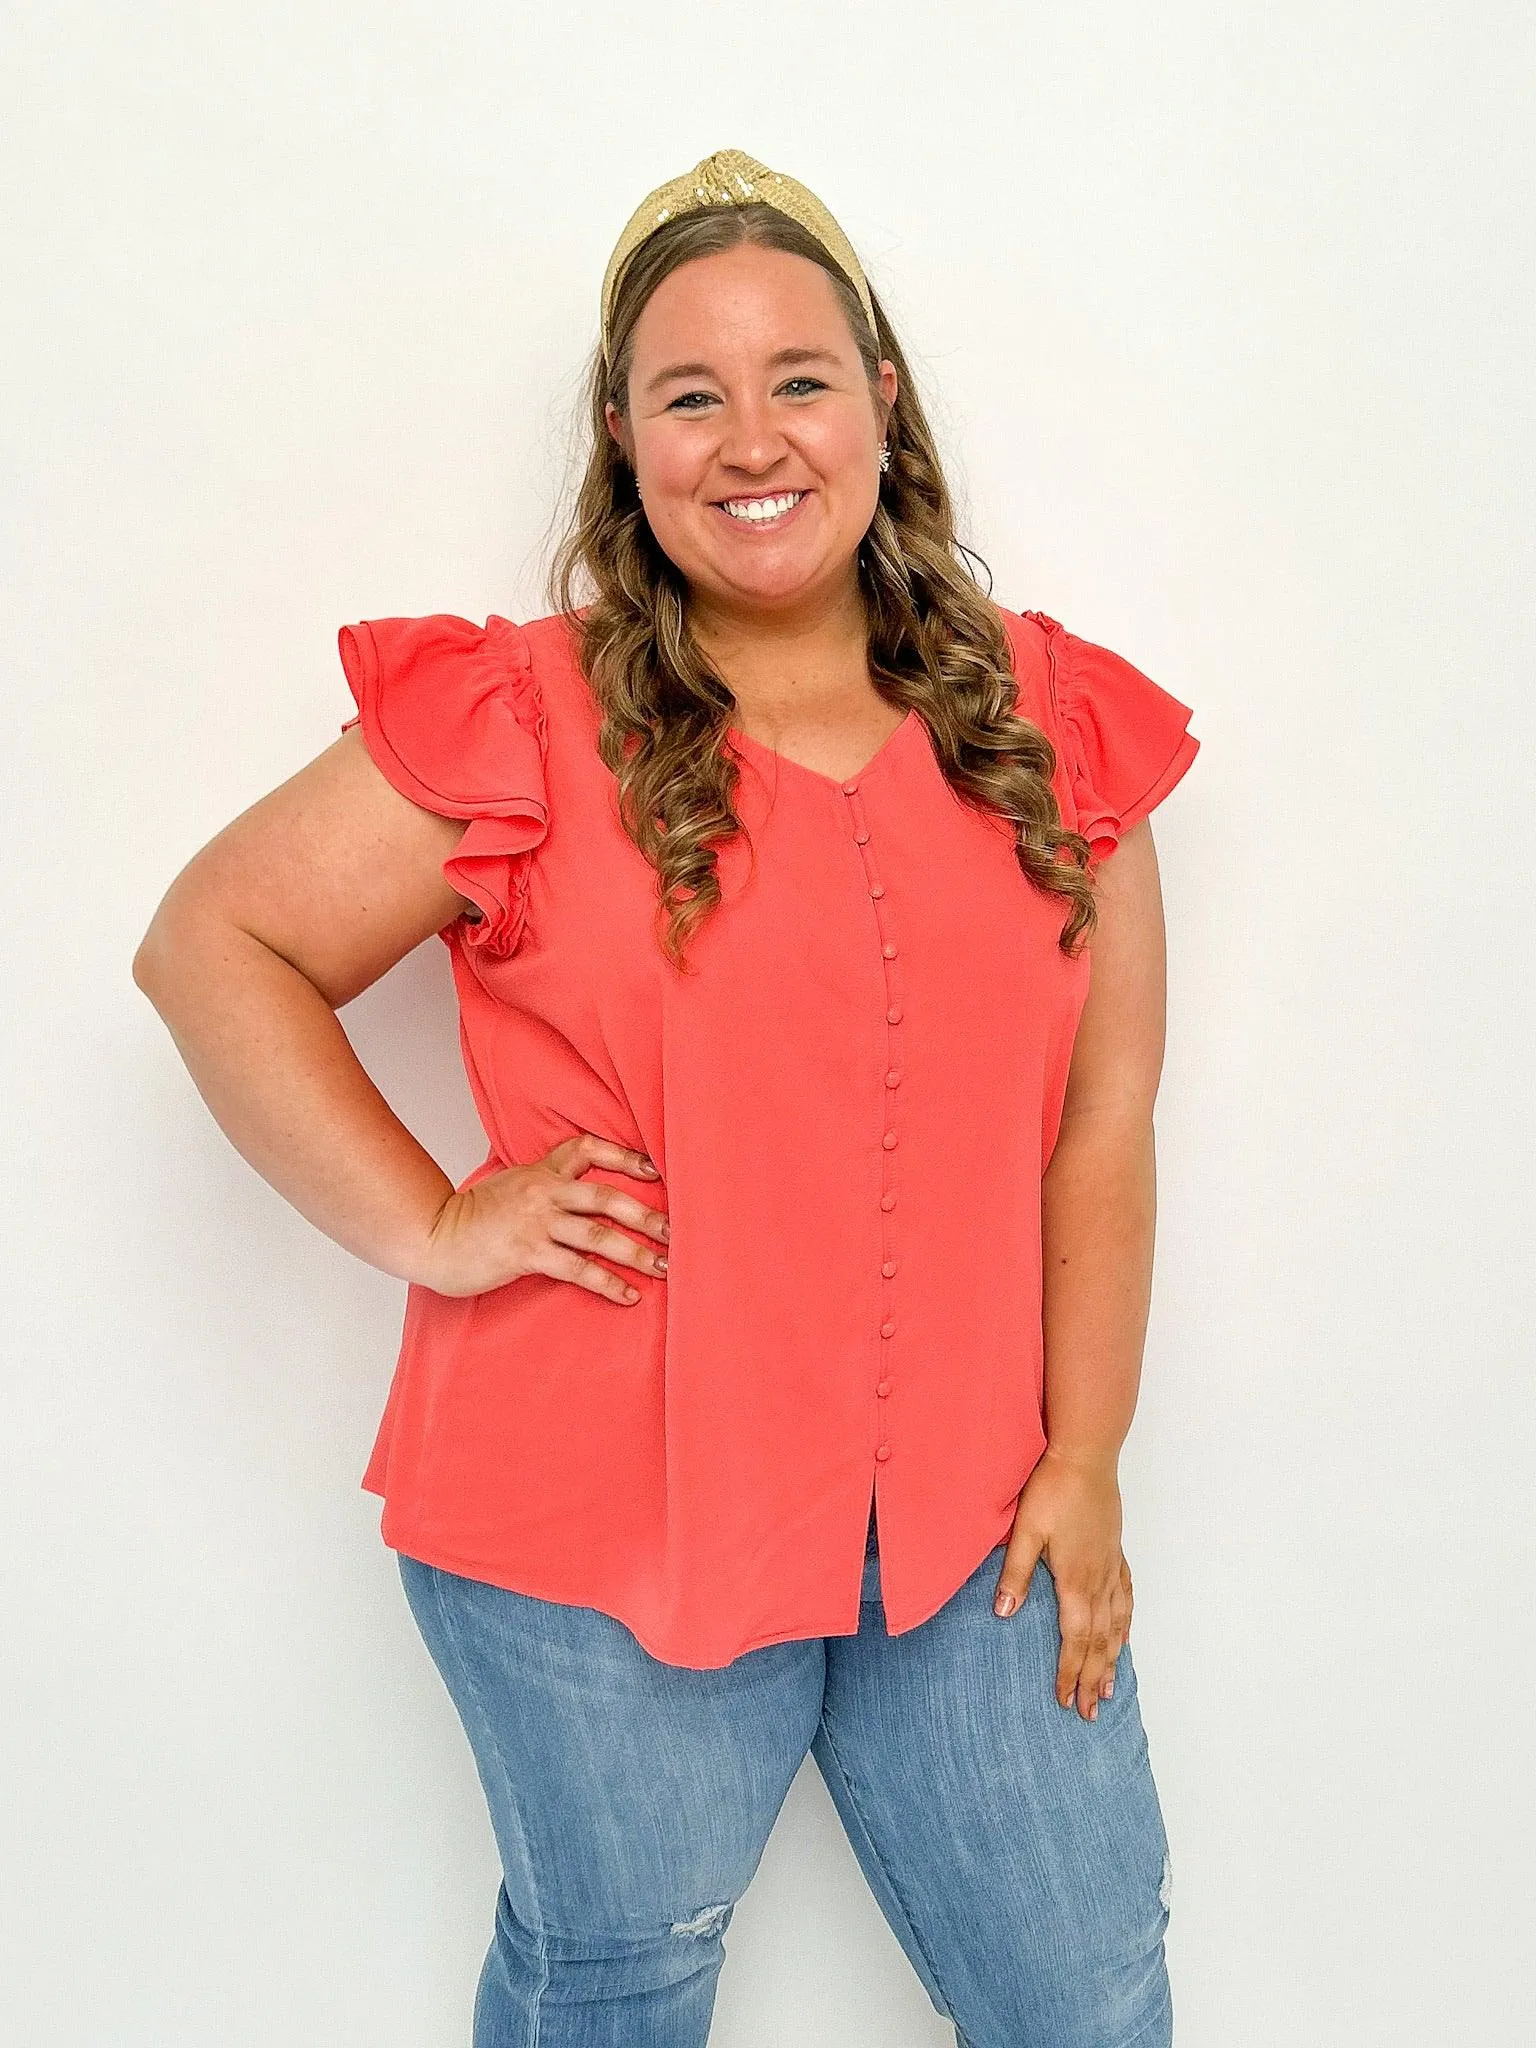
<point>673,464</point>
<point>839,455</point>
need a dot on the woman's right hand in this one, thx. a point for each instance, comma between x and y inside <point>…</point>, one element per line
<point>544,1218</point>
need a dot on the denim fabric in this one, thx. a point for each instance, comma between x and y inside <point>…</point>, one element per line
<point>1017,1851</point>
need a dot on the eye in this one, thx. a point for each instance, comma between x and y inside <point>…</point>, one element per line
<point>683,401</point>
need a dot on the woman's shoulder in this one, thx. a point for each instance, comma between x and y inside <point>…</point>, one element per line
<point>1123,739</point>
<point>453,714</point>
<point>1030,640</point>
<point>452,711</point>
<point>551,641</point>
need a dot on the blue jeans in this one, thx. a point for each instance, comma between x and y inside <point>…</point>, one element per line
<point>1017,1850</point>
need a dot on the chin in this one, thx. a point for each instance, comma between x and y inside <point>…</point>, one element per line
<point>780,572</point>
<point>774,589</point>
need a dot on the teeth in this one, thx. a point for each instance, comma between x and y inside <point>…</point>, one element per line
<point>762,508</point>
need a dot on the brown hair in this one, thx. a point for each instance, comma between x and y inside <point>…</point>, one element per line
<point>936,642</point>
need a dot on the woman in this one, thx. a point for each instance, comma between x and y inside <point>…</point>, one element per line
<point>820,1192</point>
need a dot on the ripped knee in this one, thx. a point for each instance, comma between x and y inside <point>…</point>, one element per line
<point>712,1920</point>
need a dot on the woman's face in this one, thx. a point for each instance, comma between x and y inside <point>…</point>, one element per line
<point>746,386</point>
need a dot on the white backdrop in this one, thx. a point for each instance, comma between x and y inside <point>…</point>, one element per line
<point>1223,316</point>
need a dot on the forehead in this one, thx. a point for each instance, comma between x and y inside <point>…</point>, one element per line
<point>743,297</point>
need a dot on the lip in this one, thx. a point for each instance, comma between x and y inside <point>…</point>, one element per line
<point>760,525</point>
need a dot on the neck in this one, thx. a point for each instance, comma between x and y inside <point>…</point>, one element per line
<point>772,655</point>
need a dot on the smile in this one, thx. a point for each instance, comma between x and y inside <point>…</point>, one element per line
<point>761,511</point>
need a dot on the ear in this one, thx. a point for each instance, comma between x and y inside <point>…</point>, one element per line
<point>890,384</point>
<point>615,422</point>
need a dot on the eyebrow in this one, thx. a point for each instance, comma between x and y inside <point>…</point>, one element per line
<point>779,360</point>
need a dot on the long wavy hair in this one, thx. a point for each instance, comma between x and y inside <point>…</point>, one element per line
<point>937,645</point>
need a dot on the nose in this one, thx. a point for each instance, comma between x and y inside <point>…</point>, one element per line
<point>749,439</point>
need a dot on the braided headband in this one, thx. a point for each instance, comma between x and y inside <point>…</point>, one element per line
<point>730,178</point>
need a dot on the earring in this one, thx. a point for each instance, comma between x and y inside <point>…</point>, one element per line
<point>885,456</point>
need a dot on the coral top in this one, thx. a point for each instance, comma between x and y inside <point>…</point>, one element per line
<point>851,1100</point>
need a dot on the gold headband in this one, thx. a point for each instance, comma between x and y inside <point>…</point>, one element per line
<point>729,178</point>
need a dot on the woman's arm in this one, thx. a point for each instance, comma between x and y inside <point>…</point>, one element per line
<point>1099,1193</point>
<point>295,908</point>
<point>1098,1217</point>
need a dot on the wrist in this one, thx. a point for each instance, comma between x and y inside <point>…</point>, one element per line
<point>419,1244</point>
<point>1099,1460</point>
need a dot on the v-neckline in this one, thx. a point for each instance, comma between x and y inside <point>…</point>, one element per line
<point>842,783</point>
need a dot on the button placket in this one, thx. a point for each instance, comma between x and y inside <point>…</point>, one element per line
<point>890,1135</point>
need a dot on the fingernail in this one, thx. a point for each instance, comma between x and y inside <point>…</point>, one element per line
<point>631,1294</point>
<point>661,1264</point>
<point>1004,1604</point>
<point>1093,1711</point>
<point>650,1166</point>
<point>1109,1688</point>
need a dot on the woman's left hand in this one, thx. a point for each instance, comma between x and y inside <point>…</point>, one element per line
<point>1069,1511</point>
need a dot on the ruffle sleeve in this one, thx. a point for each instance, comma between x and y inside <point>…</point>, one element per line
<point>1124,738</point>
<point>453,716</point>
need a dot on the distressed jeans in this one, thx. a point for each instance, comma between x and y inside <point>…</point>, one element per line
<point>1016,1850</point>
